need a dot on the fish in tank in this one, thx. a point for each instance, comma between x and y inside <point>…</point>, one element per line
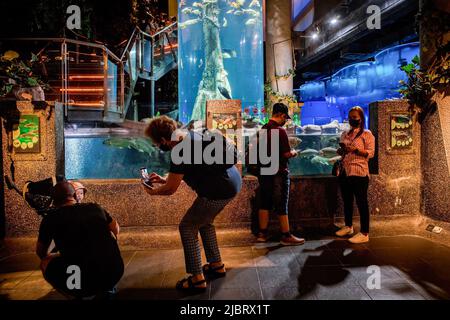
<point>220,54</point>
<point>112,157</point>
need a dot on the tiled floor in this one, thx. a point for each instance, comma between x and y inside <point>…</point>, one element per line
<point>410,268</point>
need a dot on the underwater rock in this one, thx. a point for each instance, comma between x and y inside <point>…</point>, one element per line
<point>311,128</point>
<point>332,125</point>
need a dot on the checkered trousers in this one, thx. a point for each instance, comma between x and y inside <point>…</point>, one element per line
<point>199,218</point>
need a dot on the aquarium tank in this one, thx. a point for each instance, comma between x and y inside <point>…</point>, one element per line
<point>220,54</point>
<point>111,154</point>
<point>328,101</point>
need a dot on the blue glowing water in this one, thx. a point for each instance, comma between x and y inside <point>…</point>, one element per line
<point>241,40</point>
<point>357,84</point>
<point>91,158</point>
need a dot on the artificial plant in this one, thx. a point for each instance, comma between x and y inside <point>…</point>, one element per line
<point>423,84</point>
<point>15,72</point>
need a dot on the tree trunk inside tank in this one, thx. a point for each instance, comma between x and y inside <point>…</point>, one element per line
<point>214,84</point>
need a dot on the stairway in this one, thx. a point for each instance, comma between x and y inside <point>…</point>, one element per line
<point>94,84</point>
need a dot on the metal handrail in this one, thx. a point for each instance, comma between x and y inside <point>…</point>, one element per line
<point>173,25</point>
<point>119,61</point>
<point>163,30</point>
<point>72,41</point>
<point>130,41</point>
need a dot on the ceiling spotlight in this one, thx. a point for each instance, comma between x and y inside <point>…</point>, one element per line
<point>334,21</point>
<point>315,35</point>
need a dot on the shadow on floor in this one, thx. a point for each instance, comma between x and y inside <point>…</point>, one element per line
<point>409,268</point>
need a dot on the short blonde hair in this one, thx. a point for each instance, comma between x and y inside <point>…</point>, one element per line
<point>159,128</point>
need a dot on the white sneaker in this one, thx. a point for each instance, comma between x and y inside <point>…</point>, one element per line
<point>359,238</point>
<point>345,231</point>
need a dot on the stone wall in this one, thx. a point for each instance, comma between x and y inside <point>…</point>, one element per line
<point>314,201</point>
<point>396,186</point>
<point>436,126</point>
<point>20,218</point>
<point>435,160</point>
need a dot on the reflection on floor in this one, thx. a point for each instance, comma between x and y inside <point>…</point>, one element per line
<point>410,267</point>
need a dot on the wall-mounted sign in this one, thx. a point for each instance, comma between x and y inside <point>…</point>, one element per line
<point>226,116</point>
<point>401,126</point>
<point>26,138</point>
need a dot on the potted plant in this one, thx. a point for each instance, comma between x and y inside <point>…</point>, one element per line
<point>17,78</point>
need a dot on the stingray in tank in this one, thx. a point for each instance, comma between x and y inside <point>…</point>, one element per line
<point>214,83</point>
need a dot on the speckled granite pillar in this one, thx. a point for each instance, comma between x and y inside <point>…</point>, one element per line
<point>395,188</point>
<point>20,218</point>
<point>436,128</point>
<point>435,162</point>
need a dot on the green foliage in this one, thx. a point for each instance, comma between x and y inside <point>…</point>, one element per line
<point>290,73</point>
<point>272,97</point>
<point>16,72</point>
<point>422,85</point>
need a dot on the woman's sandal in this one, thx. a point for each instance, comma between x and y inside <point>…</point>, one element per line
<point>193,287</point>
<point>211,272</point>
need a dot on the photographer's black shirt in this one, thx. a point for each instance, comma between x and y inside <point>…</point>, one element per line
<point>209,181</point>
<point>82,236</point>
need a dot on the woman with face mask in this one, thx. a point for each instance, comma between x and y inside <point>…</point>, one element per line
<point>357,147</point>
<point>215,185</point>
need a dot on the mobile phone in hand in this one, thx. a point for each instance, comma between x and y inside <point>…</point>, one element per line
<point>147,183</point>
<point>146,178</point>
<point>144,174</point>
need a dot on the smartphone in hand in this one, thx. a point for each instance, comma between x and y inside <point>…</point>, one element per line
<point>146,178</point>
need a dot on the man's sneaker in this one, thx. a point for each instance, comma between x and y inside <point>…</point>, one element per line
<point>262,237</point>
<point>359,238</point>
<point>292,241</point>
<point>345,231</point>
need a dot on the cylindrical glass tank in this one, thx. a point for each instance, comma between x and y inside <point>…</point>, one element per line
<point>220,54</point>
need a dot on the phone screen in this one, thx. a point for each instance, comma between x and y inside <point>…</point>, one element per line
<point>144,173</point>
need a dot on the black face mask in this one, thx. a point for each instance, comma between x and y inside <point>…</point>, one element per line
<point>164,147</point>
<point>354,123</point>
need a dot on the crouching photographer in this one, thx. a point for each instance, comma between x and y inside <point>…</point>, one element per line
<point>88,262</point>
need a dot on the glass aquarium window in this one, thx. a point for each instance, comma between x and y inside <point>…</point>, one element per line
<point>316,153</point>
<point>220,54</point>
<point>111,156</point>
<point>357,85</point>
